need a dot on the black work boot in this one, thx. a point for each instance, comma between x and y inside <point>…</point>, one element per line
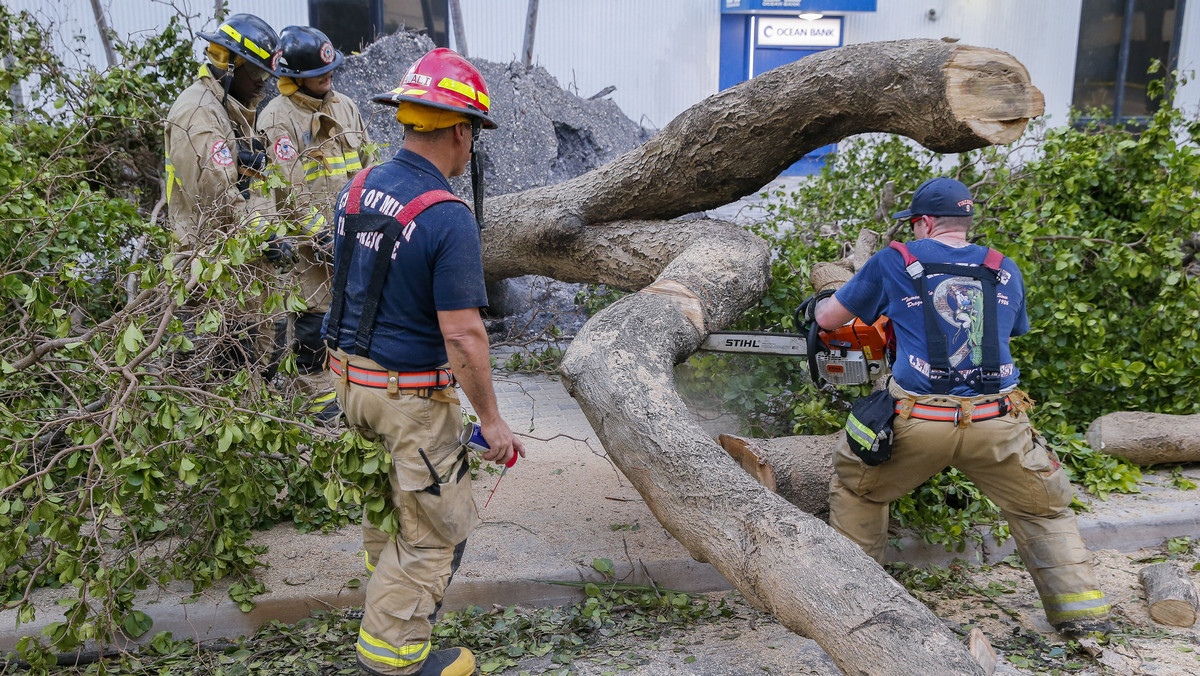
<point>1084,627</point>
<point>448,662</point>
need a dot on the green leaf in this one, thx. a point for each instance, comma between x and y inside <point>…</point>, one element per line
<point>137,623</point>
<point>132,338</point>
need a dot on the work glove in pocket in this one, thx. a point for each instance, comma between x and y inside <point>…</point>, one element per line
<point>869,427</point>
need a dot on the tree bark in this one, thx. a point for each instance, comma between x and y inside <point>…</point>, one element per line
<point>703,274</point>
<point>1147,438</point>
<point>1169,593</point>
<point>105,33</point>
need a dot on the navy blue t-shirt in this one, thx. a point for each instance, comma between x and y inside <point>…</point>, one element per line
<point>882,287</point>
<point>436,265</point>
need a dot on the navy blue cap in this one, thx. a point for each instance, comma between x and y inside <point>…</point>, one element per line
<point>939,196</point>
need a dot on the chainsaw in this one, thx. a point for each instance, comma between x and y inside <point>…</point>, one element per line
<point>848,355</point>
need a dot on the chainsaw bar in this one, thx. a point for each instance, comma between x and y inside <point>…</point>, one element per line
<point>757,342</point>
<point>844,365</point>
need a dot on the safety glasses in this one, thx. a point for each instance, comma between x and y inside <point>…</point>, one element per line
<point>258,74</point>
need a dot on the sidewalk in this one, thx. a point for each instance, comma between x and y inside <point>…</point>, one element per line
<point>555,512</point>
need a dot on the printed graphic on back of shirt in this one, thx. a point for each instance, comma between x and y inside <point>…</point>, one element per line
<point>959,302</point>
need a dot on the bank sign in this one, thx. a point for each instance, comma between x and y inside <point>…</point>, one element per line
<point>778,31</point>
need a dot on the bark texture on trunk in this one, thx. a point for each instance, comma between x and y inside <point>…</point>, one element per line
<point>1147,438</point>
<point>948,97</point>
<point>696,276</point>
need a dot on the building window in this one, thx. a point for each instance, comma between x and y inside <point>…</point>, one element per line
<point>353,24</point>
<point>1118,40</point>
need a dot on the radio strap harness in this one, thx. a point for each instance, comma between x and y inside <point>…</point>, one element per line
<point>941,375</point>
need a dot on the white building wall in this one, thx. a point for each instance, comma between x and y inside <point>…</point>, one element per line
<point>131,18</point>
<point>662,56</point>
<point>1188,96</point>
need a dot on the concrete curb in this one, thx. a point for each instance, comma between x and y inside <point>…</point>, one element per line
<point>208,621</point>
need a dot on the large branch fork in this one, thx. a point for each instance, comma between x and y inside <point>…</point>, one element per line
<point>695,276</point>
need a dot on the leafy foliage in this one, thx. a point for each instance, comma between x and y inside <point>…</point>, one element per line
<point>131,452</point>
<point>501,638</point>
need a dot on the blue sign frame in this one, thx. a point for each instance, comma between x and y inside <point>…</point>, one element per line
<point>794,6</point>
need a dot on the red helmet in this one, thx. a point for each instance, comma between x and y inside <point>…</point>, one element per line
<point>443,79</point>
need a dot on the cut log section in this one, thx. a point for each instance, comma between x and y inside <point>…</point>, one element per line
<point>1147,438</point>
<point>797,468</point>
<point>698,276</point>
<point>1169,593</point>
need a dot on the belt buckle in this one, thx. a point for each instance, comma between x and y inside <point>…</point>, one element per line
<point>437,386</point>
<point>957,416</point>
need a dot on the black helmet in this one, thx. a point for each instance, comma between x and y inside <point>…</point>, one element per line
<point>250,38</point>
<point>306,52</point>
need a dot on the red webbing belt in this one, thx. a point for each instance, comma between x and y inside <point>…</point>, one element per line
<point>438,379</point>
<point>992,409</point>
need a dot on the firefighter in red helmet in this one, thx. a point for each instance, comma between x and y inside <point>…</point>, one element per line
<point>403,331</point>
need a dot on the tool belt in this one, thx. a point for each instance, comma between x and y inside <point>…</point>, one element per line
<point>957,414</point>
<point>392,381</point>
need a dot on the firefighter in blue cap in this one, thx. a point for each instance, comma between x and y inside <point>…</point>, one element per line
<point>953,306</point>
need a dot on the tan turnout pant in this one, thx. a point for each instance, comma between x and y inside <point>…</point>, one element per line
<point>1010,463</point>
<point>410,572</point>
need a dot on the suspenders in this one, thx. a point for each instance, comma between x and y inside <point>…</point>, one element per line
<point>941,375</point>
<point>390,230</point>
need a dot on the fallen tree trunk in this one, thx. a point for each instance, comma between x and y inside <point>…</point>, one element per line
<point>705,274</point>
<point>1169,593</point>
<point>797,468</point>
<point>1147,438</point>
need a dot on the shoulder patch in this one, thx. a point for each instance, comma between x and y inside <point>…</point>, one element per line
<point>285,149</point>
<point>221,154</point>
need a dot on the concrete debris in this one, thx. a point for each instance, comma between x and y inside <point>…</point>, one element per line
<point>546,135</point>
<point>526,307</point>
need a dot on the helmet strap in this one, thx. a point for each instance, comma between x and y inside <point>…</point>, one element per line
<point>476,176</point>
<point>227,81</point>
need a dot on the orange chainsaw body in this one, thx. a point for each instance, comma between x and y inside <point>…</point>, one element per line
<point>857,336</point>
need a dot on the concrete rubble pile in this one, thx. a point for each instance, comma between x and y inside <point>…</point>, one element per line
<point>546,135</point>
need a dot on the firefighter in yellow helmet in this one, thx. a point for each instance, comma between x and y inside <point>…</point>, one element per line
<point>316,137</point>
<point>403,329</point>
<point>215,158</point>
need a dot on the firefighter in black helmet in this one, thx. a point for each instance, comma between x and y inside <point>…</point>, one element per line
<point>316,137</point>
<point>215,158</point>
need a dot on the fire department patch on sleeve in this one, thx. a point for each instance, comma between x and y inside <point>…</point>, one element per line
<point>221,154</point>
<point>285,149</point>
